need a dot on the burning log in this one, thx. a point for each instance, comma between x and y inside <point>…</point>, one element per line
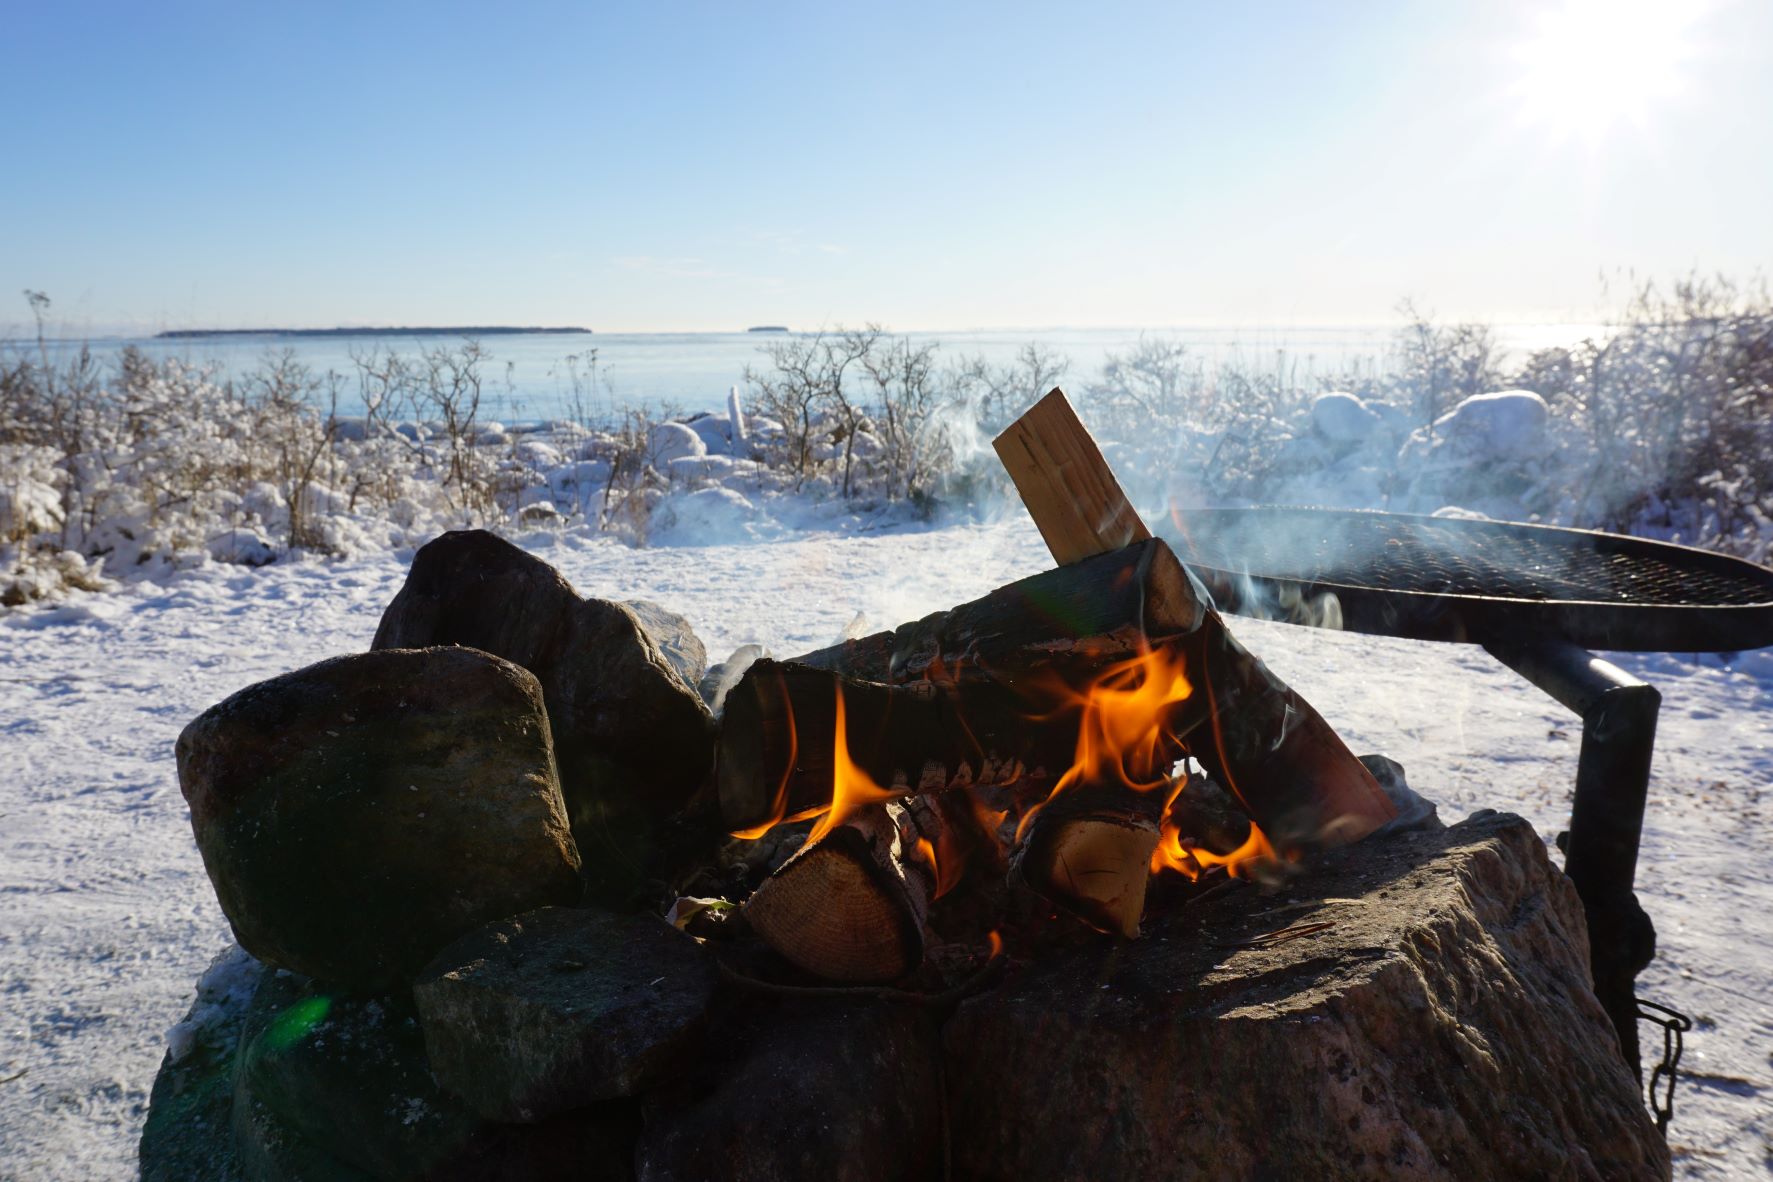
<point>851,905</point>
<point>1071,620</point>
<point>994,659</point>
<point>779,741</point>
<point>1262,740</point>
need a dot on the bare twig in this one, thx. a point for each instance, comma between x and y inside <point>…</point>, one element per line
<point>1280,936</point>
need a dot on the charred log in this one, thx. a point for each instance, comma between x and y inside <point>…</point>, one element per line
<point>1067,622</point>
<point>777,749</point>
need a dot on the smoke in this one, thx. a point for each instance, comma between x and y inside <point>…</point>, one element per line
<point>1261,568</point>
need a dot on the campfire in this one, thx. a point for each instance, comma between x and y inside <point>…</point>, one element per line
<point>1070,838</point>
<point>1048,727</point>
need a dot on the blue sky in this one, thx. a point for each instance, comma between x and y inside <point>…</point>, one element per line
<point>691,166</point>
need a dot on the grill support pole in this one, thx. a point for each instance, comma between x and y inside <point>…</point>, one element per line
<point>1607,819</point>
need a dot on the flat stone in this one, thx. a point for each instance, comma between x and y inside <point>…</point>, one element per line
<point>357,815</point>
<point>561,1008</point>
<point>1443,1027</point>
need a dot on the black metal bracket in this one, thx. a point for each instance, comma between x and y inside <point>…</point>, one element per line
<point>1607,819</point>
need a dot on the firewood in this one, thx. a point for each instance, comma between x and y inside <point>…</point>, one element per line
<point>851,906</point>
<point>1072,620</point>
<point>776,753</point>
<point>1089,851</point>
<point>1282,761</point>
<point>1260,738</point>
<point>1256,735</point>
<point>1068,487</point>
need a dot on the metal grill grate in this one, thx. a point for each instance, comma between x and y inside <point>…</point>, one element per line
<point>1452,579</point>
<point>1438,557</point>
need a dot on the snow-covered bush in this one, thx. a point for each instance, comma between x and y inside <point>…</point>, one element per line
<point>1663,426</point>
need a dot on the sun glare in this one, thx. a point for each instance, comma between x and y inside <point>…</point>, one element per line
<point>1591,65</point>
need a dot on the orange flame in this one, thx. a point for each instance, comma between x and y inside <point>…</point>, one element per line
<point>949,867</point>
<point>779,808</point>
<point>1175,852</point>
<point>990,820</point>
<point>851,787</point>
<point>1126,733</point>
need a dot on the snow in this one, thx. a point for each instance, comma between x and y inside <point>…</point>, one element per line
<point>715,433</point>
<point>673,441</point>
<point>107,921</point>
<point>1505,425</point>
<point>1343,418</point>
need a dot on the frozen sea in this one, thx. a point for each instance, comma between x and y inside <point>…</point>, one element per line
<point>531,375</point>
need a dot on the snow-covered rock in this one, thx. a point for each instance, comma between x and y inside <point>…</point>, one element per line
<point>698,469</point>
<point>538,455</point>
<point>1343,418</point>
<point>672,441</point>
<point>576,483</point>
<point>1508,424</point>
<point>243,547</point>
<point>705,517</point>
<point>537,513</point>
<point>715,433</point>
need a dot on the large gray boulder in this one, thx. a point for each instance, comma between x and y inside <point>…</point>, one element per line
<point>561,1008</point>
<point>632,739</point>
<point>357,815</point>
<point>1443,1027</point>
<point>837,1091</point>
<point>347,1074</point>
<point>275,1077</point>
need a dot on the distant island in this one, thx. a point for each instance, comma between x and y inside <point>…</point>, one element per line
<point>769,328</point>
<point>470,330</point>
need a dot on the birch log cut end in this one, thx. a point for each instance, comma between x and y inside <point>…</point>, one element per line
<point>847,908</point>
<point>1094,866</point>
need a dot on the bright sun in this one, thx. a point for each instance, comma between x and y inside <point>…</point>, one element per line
<point>1593,64</point>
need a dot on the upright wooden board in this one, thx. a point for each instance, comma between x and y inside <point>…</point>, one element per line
<point>1068,487</point>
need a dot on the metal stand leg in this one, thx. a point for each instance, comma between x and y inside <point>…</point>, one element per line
<point>1612,786</point>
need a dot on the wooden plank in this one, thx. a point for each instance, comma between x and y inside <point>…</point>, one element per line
<point>1068,487</point>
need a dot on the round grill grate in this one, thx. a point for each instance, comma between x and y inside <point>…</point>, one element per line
<point>1590,587</point>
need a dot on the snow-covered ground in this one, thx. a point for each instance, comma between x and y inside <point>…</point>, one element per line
<point>107,919</point>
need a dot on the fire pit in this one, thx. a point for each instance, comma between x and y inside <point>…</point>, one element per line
<point>1535,597</point>
<point>1059,882</point>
